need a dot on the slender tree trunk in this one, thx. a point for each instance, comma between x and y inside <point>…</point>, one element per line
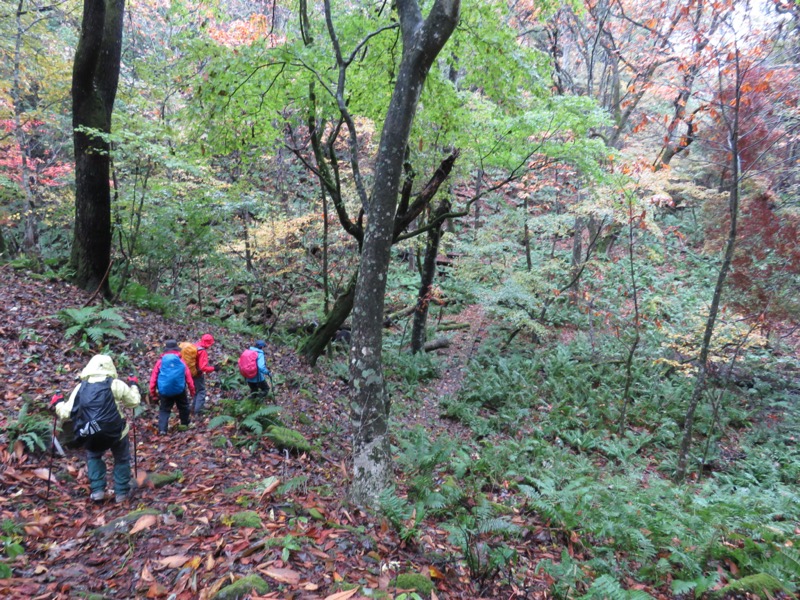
<point>418,328</point>
<point>423,39</point>
<point>527,237</point>
<point>95,76</point>
<point>30,240</point>
<point>702,374</point>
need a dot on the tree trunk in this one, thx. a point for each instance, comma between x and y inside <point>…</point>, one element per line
<point>423,39</point>
<point>314,345</point>
<point>702,374</point>
<point>95,75</point>
<point>426,280</point>
<point>30,240</point>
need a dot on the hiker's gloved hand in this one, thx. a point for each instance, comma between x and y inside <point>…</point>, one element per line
<point>134,381</point>
<point>57,397</point>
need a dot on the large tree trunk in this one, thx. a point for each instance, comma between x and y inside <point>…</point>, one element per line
<point>422,42</point>
<point>426,279</point>
<point>95,75</point>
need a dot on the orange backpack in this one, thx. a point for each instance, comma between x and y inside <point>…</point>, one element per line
<point>189,357</point>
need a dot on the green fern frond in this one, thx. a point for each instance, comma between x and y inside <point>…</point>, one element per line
<point>498,525</point>
<point>761,584</point>
<point>252,425</point>
<point>606,587</point>
<point>112,316</point>
<point>220,420</point>
<point>293,484</point>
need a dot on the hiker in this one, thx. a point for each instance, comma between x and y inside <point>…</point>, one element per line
<point>255,371</point>
<point>94,407</point>
<point>206,341</point>
<point>169,382</point>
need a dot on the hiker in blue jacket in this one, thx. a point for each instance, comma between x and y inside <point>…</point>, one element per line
<point>258,384</point>
<point>169,382</point>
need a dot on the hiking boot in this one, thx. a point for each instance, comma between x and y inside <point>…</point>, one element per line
<point>119,498</point>
<point>162,432</point>
<point>98,496</point>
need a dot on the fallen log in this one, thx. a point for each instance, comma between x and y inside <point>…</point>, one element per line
<point>452,326</point>
<point>436,344</point>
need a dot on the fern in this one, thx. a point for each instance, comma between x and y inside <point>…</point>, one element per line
<point>92,323</point>
<point>253,425</point>
<point>220,420</point>
<point>761,584</point>
<point>293,484</point>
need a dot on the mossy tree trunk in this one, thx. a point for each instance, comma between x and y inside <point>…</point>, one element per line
<point>95,76</point>
<point>423,39</point>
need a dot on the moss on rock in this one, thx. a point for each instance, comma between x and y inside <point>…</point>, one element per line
<point>245,518</point>
<point>242,587</point>
<point>159,480</point>
<point>414,581</point>
<point>288,439</point>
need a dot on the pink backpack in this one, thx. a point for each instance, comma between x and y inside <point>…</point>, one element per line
<point>248,364</point>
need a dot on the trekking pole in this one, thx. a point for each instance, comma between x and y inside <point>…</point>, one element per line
<point>52,458</point>
<point>57,397</point>
<point>133,428</point>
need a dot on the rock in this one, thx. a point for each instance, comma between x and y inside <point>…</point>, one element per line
<point>124,523</point>
<point>241,588</point>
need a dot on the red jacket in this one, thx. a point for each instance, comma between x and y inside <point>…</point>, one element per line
<point>157,368</point>
<point>202,358</point>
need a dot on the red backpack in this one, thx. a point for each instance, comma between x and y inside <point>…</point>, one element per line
<point>248,364</point>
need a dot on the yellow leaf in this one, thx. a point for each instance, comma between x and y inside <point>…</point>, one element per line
<point>143,523</point>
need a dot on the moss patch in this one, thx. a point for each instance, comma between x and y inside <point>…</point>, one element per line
<point>159,480</point>
<point>245,518</point>
<point>242,587</point>
<point>413,581</point>
<point>288,439</point>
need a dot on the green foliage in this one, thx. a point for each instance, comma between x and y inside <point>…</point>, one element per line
<point>32,429</point>
<point>249,415</point>
<point>288,439</point>
<point>413,581</point>
<point>92,323</point>
<point>479,533</point>
<point>11,541</point>
<point>762,585</point>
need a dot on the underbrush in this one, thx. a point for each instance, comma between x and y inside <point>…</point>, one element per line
<point>547,446</point>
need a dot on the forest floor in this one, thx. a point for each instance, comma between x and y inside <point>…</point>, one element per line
<point>190,538</point>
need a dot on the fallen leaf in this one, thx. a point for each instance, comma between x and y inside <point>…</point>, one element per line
<point>156,590</point>
<point>142,479</point>
<point>143,523</point>
<point>146,575</point>
<point>174,562</point>
<point>44,474</point>
<point>283,575</point>
<point>342,595</point>
<point>435,573</point>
